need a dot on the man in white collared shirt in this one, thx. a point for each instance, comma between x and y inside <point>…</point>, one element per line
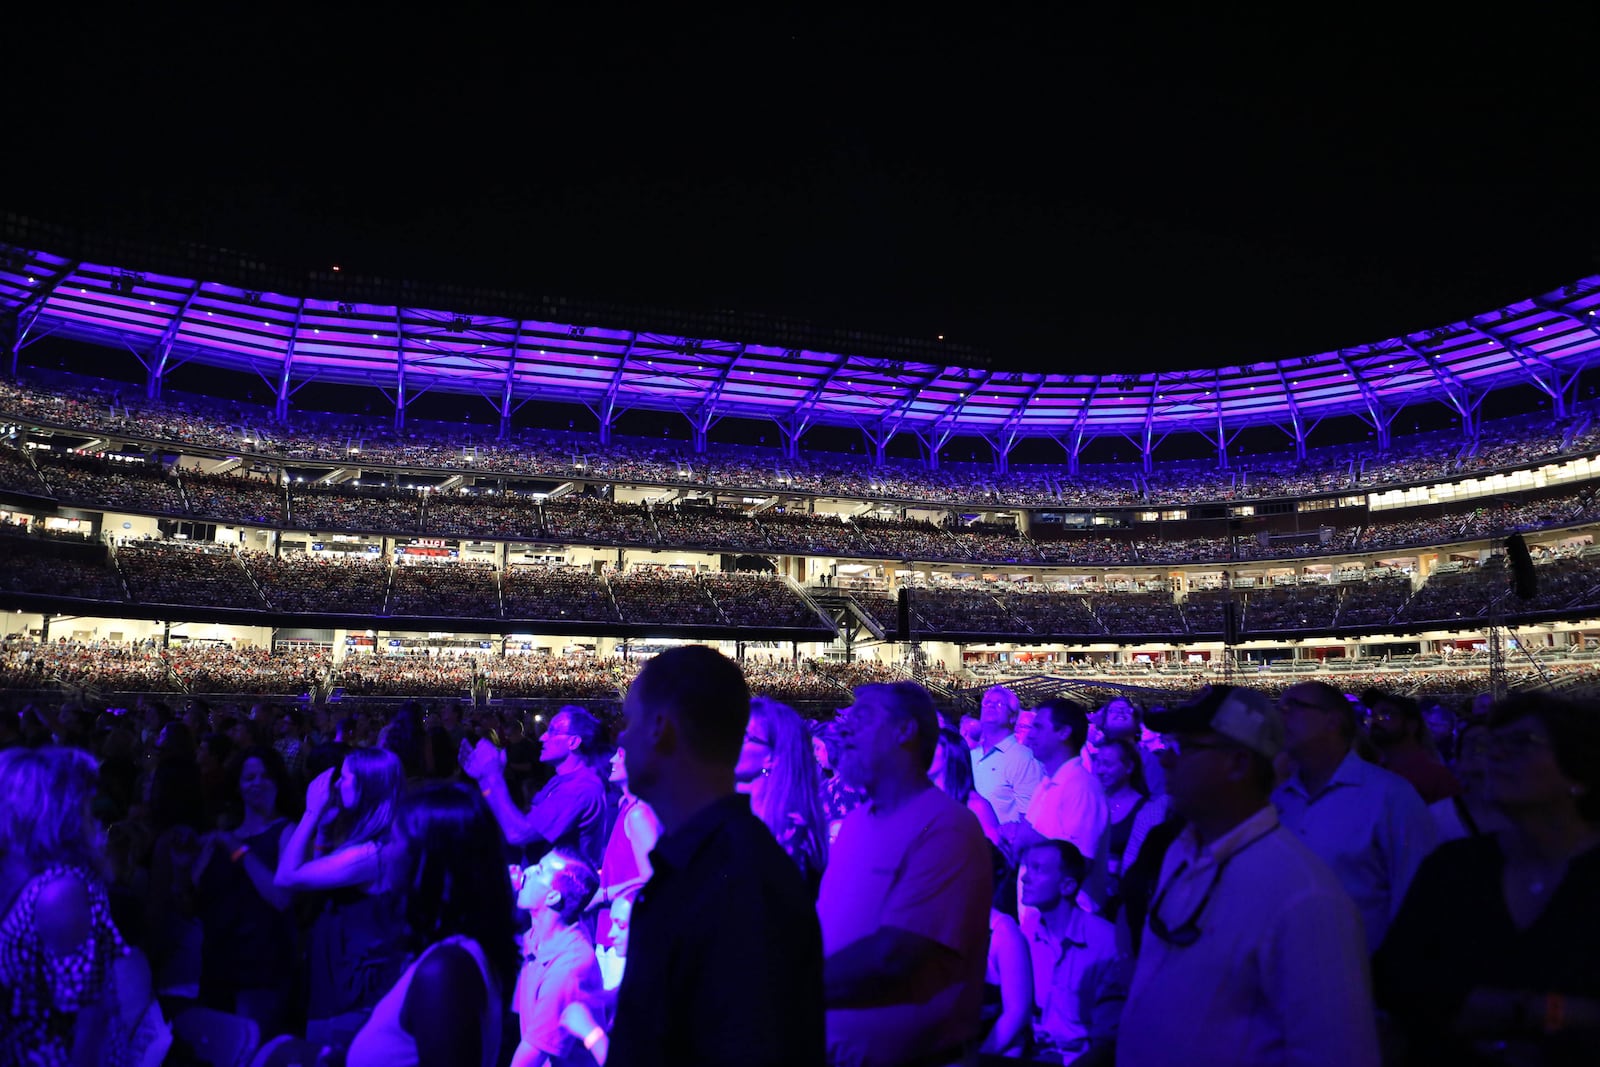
<point>1253,952</point>
<point>1368,825</point>
<point>1080,980</point>
<point>1069,803</point>
<point>1004,772</point>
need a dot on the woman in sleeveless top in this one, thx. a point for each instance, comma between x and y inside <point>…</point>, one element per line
<point>1120,769</point>
<point>446,1009</point>
<point>58,945</point>
<point>838,799</point>
<point>247,962</point>
<point>626,866</point>
<point>355,949</point>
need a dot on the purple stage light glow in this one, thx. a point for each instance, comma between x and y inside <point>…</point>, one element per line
<point>1544,341</point>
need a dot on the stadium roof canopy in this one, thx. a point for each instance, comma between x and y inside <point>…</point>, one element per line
<point>407,339</point>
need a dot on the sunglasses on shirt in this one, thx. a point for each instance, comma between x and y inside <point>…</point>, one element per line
<point>1187,932</point>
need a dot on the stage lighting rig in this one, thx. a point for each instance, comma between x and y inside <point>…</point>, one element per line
<point>459,324</point>
<point>125,283</point>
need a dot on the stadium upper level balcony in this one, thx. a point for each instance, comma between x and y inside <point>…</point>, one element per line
<point>190,305</point>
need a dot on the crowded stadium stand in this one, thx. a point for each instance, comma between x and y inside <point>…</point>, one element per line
<point>161,572</point>
<point>655,594</point>
<point>77,569</point>
<point>556,594</point>
<point>805,534</point>
<point>569,678</point>
<point>962,608</point>
<point>111,480</point>
<point>18,474</point>
<point>595,521</point>
<point>296,582</point>
<point>375,510</point>
<point>753,599</point>
<point>376,674</point>
<point>445,587</point>
<point>235,496</point>
<point>509,516</point>
<point>152,501</point>
<point>701,526</point>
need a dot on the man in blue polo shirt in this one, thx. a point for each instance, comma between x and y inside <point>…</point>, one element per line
<point>570,811</point>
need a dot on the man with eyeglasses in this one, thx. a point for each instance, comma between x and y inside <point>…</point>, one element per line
<point>570,811</point>
<point>1367,825</point>
<point>1254,954</point>
<point>1004,771</point>
<point>1398,730</point>
<point>905,899</point>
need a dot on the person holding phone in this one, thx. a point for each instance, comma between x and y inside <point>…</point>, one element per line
<point>356,946</point>
<point>570,811</point>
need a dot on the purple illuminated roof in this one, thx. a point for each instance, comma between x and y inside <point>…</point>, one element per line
<point>293,339</point>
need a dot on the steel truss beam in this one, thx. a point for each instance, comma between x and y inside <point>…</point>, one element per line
<point>1457,393</point>
<point>606,412</point>
<point>1534,365</point>
<point>704,416</point>
<point>1079,421</point>
<point>510,381</point>
<point>29,313</point>
<point>1381,417</point>
<point>163,347</point>
<point>893,420</point>
<point>800,417</point>
<point>282,392</point>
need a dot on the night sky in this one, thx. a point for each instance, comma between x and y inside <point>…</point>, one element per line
<point>1092,191</point>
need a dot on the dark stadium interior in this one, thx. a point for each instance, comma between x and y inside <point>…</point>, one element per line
<point>433,442</point>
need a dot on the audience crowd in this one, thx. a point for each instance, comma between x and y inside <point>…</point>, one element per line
<point>1283,872</point>
<point>231,427</point>
<point>250,498</point>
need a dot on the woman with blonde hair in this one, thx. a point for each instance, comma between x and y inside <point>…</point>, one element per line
<point>778,769</point>
<point>356,944</point>
<point>58,945</point>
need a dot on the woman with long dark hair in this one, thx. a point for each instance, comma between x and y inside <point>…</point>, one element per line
<point>247,934</point>
<point>447,1006</point>
<point>355,944</point>
<point>1120,768</point>
<point>778,769</point>
<point>58,1002</point>
<point>838,798</point>
<point>951,773</point>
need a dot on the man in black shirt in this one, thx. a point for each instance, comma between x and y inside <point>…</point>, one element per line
<point>724,952</point>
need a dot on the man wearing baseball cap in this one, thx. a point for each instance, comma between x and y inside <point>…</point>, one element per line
<point>1253,952</point>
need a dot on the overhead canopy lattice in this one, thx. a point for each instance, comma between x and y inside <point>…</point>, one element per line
<point>292,339</point>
